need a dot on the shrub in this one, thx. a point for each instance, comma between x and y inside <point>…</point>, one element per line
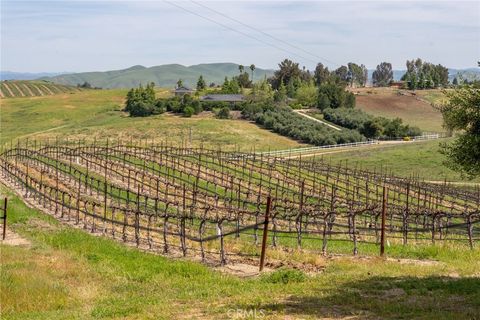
<point>197,106</point>
<point>140,109</point>
<point>285,122</point>
<point>368,125</point>
<point>188,111</point>
<point>224,113</point>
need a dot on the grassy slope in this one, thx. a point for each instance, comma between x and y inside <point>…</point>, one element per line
<point>68,274</point>
<point>90,114</point>
<point>96,114</point>
<point>387,103</point>
<point>422,159</point>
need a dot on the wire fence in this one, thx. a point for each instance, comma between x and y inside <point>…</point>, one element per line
<point>213,204</point>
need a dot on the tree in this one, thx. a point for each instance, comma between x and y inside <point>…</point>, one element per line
<point>335,95</point>
<point>179,83</point>
<point>201,84</point>
<point>281,94</point>
<point>372,128</point>
<point>252,68</point>
<point>342,74</point>
<point>357,75</point>
<point>231,86</point>
<point>425,75</point>
<point>321,74</point>
<point>85,85</point>
<point>455,81</point>
<point>243,80</point>
<point>241,68</point>
<point>382,75</point>
<point>287,70</point>
<point>262,91</point>
<point>307,95</point>
<point>461,113</point>
<point>140,101</point>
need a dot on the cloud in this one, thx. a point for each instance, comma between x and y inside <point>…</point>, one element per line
<point>94,35</point>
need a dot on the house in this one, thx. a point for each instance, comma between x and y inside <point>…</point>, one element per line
<point>181,91</point>
<point>397,84</point>
<point>232,98</point>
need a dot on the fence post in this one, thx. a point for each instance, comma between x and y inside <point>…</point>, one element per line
<point>384,211</point>
<point>4,219</point>
<point>265,231</point>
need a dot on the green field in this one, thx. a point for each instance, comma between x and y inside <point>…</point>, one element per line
<point>97,114</point>
<point>422,159</point>
<point>66,273</point>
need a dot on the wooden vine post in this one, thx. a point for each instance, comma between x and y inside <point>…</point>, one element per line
<point>265,231</point>
<point>4,217</point>
<point>384,213</point>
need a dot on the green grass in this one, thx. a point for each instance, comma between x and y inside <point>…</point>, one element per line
<point>97,114</point>
<point>69,274</point>
<point>421,159</point>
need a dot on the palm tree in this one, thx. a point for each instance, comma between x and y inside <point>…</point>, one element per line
<point>241,68</point>
<point>252,67</point>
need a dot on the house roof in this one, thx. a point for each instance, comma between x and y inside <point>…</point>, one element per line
<point>183,89</point>
<point>223,97</point>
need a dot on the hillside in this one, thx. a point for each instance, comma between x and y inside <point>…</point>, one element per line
<point>415,110</point>
<point>164,75</point>
<point>11,75</point>
<point>25,88</point>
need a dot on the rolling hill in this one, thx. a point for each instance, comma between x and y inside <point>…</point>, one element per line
<point>26,88</point>
<point>164,75</point>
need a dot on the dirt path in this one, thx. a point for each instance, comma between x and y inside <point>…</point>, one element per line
<point>303,114</point>
<point>43,131</point>
<point>14,239</point>
<point>457,183</point>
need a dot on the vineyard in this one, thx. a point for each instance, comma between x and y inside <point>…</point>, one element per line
<point>221,206</point>
<point>25,88</point>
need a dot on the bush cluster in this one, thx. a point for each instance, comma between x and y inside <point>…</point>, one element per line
<point>284,121</point>
<point>368,125</point>
<point>141,102</point>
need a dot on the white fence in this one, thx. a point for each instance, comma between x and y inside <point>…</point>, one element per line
<point>307,150</point>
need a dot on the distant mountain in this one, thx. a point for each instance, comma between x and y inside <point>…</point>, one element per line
<point>469,73</point>
<point>466,74</point>
<point>10,75</point>
<point>164,75</point>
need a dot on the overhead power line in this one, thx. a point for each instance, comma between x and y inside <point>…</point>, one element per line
<point>239,31</point>
<point>264,33</point>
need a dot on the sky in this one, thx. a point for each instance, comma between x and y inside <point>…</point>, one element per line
<point>77,36</point>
